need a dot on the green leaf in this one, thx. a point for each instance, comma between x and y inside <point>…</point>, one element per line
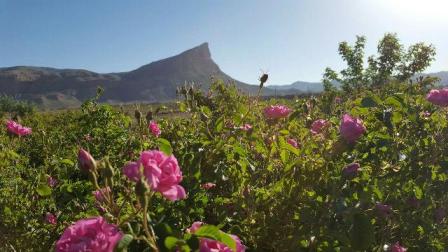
<point>369,102</point>
<point>396,117</point>
<point>67,162</point>
<point>362,233</point>
<point>43,190</point>
<point>171,242</point>
<point>124,243</point>
<point>165,146</point>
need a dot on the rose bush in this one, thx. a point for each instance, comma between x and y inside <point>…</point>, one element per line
<point>375,180</point>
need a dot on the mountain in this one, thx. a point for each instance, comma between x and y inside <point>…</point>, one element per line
<point>302,86</point>
<point>154,82</point>
<point>316,87</point>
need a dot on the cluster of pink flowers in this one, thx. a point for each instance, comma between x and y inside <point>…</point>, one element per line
<point>209,245</point>
<point>438,97</point>
<point>92,234</point>
<point>17,129</point>
<point>351,128</point>
<point>161,172</point>
<point>276,111</point>
<point>318,126</point>
<point>154,127</point>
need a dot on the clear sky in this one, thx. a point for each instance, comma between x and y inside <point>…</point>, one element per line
<point>291,39</point>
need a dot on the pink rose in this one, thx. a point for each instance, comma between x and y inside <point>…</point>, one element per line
<point>86,161</point>
<point>208,186</point>
<point>92,234</point>
<point>17,129</point>
<point>318,126</point>
<point>351,170</point>
<point>100,195</point>
<point>397,248</point>
<point>293,143</point>
<point>154,127</point>
<point>50,219</point>
<point>276,111</point>
<point>52,182</point>
<point>438,97</point>
<point>162,173</point>
<point>351,128</point>
<point>209,245</point>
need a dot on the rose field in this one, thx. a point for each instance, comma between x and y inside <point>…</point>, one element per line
<point>357,168</point>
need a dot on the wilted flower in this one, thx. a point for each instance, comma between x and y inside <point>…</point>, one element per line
<point>383,210</point>
<point>101,194</point>
<point>52,182</point>
<point>397,248</point>
<point>293,142</point>
<point>17,129</point>
<point>50,219</point>
<point>92,234</point>
<point>209,245</point>
<point>351,128</point>
<point>208,185</point>
<point>86,161</point>
<point>161,172</point>
<point>318,126</point>
<point>276,111</point>
<point>351,170</point>
<point>154,127</point>
<point>438,97</point>
<point>337,99</point>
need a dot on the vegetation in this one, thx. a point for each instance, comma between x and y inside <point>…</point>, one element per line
<point>362,169</point>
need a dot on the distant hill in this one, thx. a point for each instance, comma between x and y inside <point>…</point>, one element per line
<point>316,87</point>
<point>154,82</point>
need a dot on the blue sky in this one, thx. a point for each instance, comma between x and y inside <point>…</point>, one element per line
<point>291,39</point>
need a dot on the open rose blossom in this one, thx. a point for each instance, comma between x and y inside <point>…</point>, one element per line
<point>86,161</point>
<point>101,194</point>
<point>162,173</point>
<point>276,111</point>
<point>17,129</point>
<point>438,97</point>
<point>209,245</point>
<point>351,128</point>
<point>92,234</point>
<point>50,219</point>
<point>397,248</point>
<point>318,126</point>
<point>154,127</point>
